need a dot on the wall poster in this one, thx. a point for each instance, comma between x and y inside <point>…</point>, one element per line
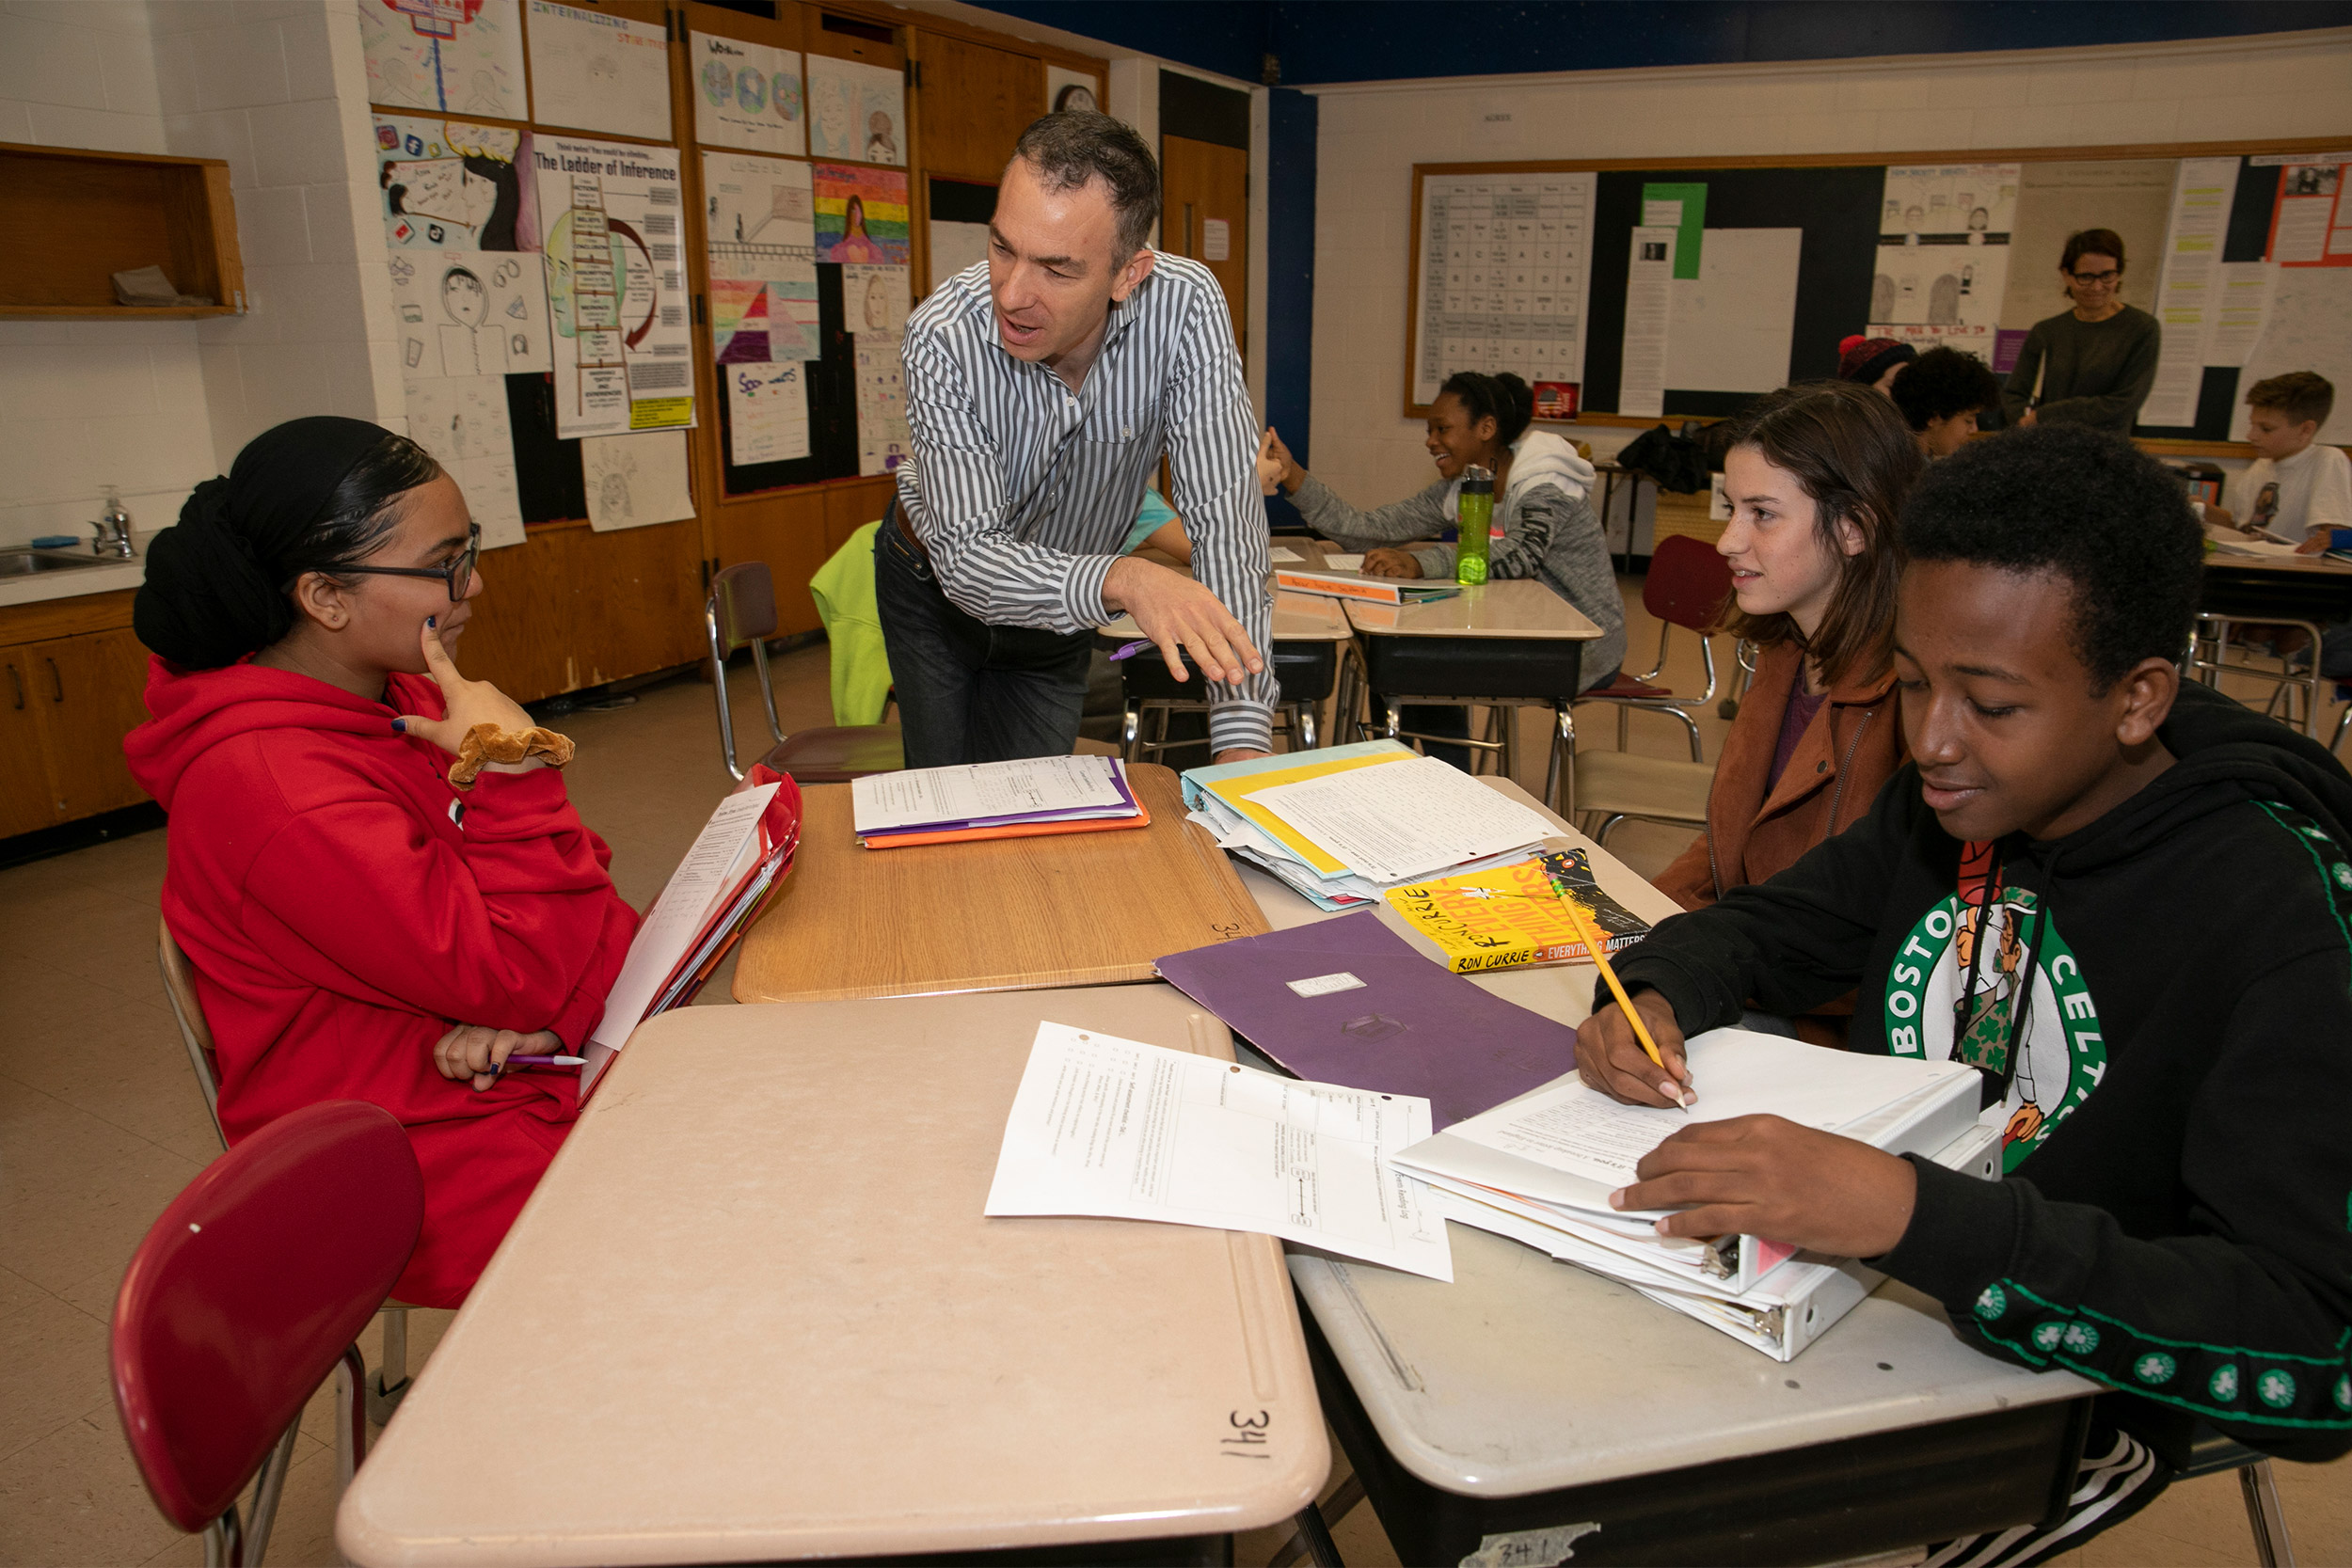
<point>856,111</point>
<point>598,72</point>
<point>616,287</point>
<point>448,183</point>
<point>1505,275</point>
<point>746,95</point>
<point>455,57</point>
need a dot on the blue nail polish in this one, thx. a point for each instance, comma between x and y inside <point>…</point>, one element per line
<point>433,620</point>
<point>400,726</point>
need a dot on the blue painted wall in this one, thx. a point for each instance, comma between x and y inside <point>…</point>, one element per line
<point>1357,41</point>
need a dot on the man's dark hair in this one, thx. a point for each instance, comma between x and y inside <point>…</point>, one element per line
<point>2082,504</point>
<point>1942,382</point>
<point>2300,395</point>
<point>1068,149</point>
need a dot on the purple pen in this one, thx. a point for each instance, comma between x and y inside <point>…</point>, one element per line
<point>1129,650</point>
<point>547,1061</point>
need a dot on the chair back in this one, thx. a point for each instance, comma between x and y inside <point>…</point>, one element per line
<point>195,1034</point>
<point>1688,585</point>
<point>742,606</point>
<point>246,1292</point>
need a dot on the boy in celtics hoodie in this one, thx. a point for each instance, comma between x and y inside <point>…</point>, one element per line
<point>2127,902</point>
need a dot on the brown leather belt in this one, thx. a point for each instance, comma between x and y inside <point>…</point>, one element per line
<point>906,530</point>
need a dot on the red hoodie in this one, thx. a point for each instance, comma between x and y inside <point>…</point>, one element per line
<point>343,906</point>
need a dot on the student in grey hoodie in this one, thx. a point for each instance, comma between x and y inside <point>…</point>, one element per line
<point>1542,490</point>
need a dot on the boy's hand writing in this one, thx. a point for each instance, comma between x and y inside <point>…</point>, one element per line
<point>1768,1177</point>
<point>1611,1059</point>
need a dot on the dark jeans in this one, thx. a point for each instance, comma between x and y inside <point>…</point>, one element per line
<point>969,691</point>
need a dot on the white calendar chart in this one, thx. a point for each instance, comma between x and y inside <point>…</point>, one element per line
<point>1505,270</point>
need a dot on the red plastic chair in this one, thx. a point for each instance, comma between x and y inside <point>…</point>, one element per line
<point>742,613</point>
<point>244,1298</point>
<point>1689,585</point>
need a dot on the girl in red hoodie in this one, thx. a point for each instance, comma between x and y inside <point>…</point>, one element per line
<point>375,908</point>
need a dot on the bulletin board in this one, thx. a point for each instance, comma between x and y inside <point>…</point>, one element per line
<point>1629,291</point>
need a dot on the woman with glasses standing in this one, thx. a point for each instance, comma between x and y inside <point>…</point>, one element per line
<point>371,864</point>
<point>2092,365</point>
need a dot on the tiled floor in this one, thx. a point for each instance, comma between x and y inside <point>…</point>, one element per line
<point>101,1124</point>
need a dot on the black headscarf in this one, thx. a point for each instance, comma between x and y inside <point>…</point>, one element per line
<point>216,583</point>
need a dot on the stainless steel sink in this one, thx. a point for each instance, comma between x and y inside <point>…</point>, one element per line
<point>21,562</point>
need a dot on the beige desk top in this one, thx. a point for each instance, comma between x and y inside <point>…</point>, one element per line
<point>754,1312</point>
<point>1520,606</point>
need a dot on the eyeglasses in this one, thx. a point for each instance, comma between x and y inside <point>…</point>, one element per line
<point>2095,280</point>
<point>458,574</point>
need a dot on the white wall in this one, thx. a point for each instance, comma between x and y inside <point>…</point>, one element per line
<point>85,403</point>
<point>278,88</point>
<point>1371,135</point>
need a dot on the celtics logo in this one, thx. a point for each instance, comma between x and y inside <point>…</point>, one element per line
<point>2223,1383</point>
<point>2343,1392</point>
<point>2154,1368</point>
<point>2047,1337</point>
<point>2029,1013</point>
<point>2081,1339</point>
<point>2275,1388</point>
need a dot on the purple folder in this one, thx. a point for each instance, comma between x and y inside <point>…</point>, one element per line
<point>1348,1001</point>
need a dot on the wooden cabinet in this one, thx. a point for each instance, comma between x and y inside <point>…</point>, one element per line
<point>73,684</point>
<point>972,104</point>
<point>75,217</point>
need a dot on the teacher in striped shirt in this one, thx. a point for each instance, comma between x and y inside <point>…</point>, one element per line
<point>1041,389</point>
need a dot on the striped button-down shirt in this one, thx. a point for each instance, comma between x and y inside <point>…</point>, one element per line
<point>1023,491</point>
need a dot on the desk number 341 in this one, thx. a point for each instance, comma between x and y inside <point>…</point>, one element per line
<point>1248,1440</point>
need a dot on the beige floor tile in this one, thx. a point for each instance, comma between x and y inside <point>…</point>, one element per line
<point>53,1369</point>
<point>124,1063</point>
<point>75,1498</point>
<point>80,1190</point>
<point>17,1293</point>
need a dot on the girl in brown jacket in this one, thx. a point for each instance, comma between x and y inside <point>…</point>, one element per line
<point>1816,475</point>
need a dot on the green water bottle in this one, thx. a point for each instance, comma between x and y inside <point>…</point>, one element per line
<point>1474,518</point>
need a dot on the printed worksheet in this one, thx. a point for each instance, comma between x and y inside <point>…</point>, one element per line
<point>746,95</point>
<point>597,71</point>
<point>1114,1127</point>
<point>1030,787</point>
<point>616,287</point>
<point>1403,819</point>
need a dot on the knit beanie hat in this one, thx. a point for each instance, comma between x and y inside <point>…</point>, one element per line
<point>1865,359</point>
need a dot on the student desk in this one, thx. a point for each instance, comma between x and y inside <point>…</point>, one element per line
<point>755,1312</point>
<point>1535,1402</point>
<point>2314,594</point>
<point>1505,645</point>
<point>1002,915</point>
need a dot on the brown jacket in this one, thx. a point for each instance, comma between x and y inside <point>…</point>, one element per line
<point>1853,745</point>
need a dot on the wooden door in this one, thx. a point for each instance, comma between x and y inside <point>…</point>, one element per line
<point>1204,214</point>
<point>89,692</point>
<point>26,801</point>
<point>974,103</point>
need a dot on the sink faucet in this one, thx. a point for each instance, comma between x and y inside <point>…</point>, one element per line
<point>114,530</point>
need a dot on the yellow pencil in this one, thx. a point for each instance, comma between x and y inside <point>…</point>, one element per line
<point>1595,944</point>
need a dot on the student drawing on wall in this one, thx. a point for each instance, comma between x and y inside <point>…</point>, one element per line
<point>878,304</point>
<point>481,96</point>
<point>856,244</point>
<point>882,145</point>
<point>464,197</point>
<point>1943,301</point>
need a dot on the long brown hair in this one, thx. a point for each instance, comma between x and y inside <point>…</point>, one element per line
<point>1854,455</point>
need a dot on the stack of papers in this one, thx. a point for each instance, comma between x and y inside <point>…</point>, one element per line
<point>993,800</point>
<point>1344,825</point>
<point>1352,584</point>
<point>2230,542</point>
<point>736,866</point>
<point>1108,1126</point>
<point>1540,1169</point>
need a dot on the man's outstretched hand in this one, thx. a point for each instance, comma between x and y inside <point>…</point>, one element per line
<point>1179,614</point>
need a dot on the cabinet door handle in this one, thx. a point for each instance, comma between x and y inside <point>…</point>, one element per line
<point>16,679</point>
<point>56,679</point>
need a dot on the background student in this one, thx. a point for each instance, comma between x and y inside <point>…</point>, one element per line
<point>2123,900</point>
<point>1877,363</point>
<point>2094,363</point>
<point>363,925</point>
<point>2295,485</point>
<point>1941,396</point>
<point>1817,474</point>
<point>1549,531</point>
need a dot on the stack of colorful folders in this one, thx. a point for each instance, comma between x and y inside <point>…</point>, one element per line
<point>1540,1169</point>
<point>993,800</point>
<point>1344,825</point>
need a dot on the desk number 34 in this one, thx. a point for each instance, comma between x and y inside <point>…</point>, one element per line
<point>1248,1440</point>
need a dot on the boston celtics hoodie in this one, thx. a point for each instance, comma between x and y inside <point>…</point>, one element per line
<point>2161,1004</point>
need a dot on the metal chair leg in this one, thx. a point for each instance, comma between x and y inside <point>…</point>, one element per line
<point>391,1383</point>
<point>266,1493</point>
<point>1560,776</point>
<point>1607,825</point>
<point>1130,733</point>
<point>1316,1536</point>
<point>2269,1521</point>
